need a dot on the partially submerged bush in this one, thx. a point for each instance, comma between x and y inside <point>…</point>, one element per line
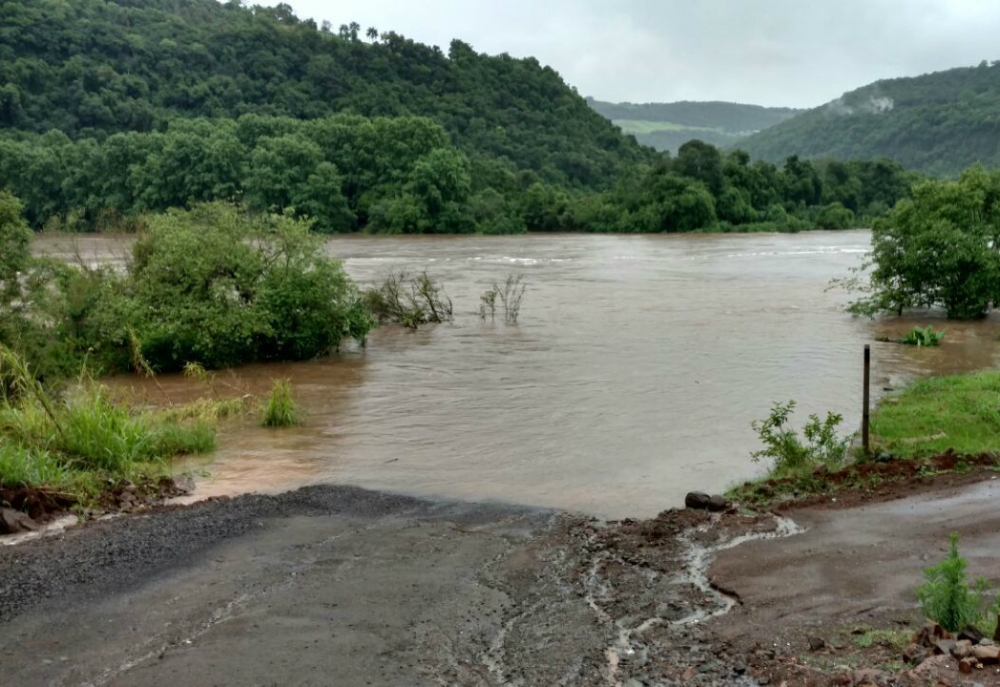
<point>923,336</point>
<point>786,450</point>
<point>509,294</point>
<point>947,597</point>
<point>280,409</point>
<point>409,300</point>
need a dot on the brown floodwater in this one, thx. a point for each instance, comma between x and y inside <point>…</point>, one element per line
<point>632,377</point>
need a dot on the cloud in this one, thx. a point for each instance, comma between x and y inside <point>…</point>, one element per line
<point>770,52</point>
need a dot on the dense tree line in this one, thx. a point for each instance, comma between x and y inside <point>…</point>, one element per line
<point>90,68</point>
<point>403,175</point>
<point>939,123</point>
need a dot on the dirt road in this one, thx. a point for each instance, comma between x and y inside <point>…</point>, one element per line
<point>341,586</point>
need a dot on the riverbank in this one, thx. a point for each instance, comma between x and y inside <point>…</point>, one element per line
<point>384,589</point>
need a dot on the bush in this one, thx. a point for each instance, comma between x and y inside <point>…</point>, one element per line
<point>787,452</point>
<point>947,598</point>
<point>280,409</point>
<point>509,294</point>
<point>409,301</point>
<point>221,288</point>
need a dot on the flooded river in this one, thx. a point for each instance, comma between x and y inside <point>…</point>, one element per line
<point>633,375</point>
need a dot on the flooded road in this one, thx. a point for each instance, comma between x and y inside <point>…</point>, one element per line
<point>633,375</point>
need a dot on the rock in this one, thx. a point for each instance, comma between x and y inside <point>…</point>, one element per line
<point>14,521</point>
<point>182,484</point>
<point>129,487</point>
<point>987,655</point>
<point>867,677</point>
<point>966,665</point>
<point>929,634</point>
<point>971,634</point>
<point>915,654</point>
<point>816,643</point>
<point>697,500</point>
<point>961,648</point>
<point>944,646</point>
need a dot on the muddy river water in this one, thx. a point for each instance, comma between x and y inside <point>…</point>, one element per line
<point>632,377</point>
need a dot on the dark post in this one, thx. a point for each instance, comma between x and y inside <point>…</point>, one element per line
<point>864,409</point>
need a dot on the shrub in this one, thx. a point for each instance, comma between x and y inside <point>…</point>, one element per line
<point>923,336</point>
<point>280,409</point>
<point>409,300</point>
<point>947,598</point>
<point>509,294</point>
<point>786,450</point>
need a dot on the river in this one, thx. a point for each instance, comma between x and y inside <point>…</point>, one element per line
<point>631,378</point>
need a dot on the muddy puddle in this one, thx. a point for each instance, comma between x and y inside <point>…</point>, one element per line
<point>633,376</point>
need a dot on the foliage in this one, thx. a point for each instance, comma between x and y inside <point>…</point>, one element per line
<point>64,441</point>
<point>785,449</point>
<point>931,416</point>
<point>280,409</point>
<point>938,123</point>
<point>509,294</point>
<point>940,249</point>
<point>923,336</point>
<point>947,598</point>
<point>161,105</point>
<point>409,300</point>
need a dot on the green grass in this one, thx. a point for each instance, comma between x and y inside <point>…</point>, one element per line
<point>960,413</point>
<point>84,438</point>
<point>895,639</point>
<point>280,409</point>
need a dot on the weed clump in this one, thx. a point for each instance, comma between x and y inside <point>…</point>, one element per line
<point>280,409</point>
<point>509,295</point>
<point>947,597</point>
<point>787,452</point>
<point>923,336</point>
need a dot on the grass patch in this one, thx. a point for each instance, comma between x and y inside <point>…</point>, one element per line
<point>82,440</point>
<point>931,416</point>
<point>280,409</point>
<point>891,639</point>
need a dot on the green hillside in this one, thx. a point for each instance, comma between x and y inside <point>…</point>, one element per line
<point>937,123</point>
<point>90,68</point>
<point>668,126</point>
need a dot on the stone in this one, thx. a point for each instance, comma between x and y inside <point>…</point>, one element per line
<point>183,484</point>
<point>697,500</point>
<point>971,634</point>
<point>987,655</point>
<point>14,522</point>
<point>816,643</point>
<point>915,654</point>
<point>966,665</point>
<point>944,646</point>
<point>961,648</point>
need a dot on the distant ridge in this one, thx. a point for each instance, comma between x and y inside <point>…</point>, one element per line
<point>668,126</point>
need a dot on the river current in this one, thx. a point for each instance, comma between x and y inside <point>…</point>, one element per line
<point>632,377</point>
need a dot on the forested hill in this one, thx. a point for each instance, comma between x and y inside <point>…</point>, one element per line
<point>668,126</point>
<point>937,123</point>
<point>91,67</point>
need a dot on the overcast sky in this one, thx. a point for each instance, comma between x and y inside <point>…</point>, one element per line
<point>798,53</point>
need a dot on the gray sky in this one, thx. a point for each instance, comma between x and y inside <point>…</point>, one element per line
<point>798,53</point>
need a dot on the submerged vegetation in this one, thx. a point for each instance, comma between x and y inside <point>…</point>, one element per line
<point>409,300</point>
<point>509,295</point>
<point>280,409</point>
<point>923,336</point>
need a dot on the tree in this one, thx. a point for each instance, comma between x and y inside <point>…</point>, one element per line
<point>15,247</point>
<point>372,33</point>
<point>942,248</point>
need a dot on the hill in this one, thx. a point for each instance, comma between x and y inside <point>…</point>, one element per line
<point>90,68</point>
<point>938,123</point>
<point>668,126</point>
